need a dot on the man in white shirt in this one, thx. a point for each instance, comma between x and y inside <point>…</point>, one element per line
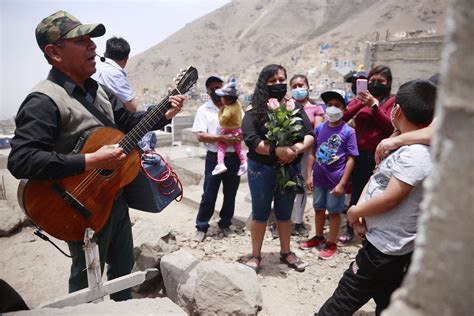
<point>206,127</point>
<point>110,72</point>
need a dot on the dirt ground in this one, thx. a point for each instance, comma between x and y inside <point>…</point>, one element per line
<point>39,272</point>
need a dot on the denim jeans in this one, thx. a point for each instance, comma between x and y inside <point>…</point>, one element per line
<point>262,183</point>
<point>115,247</point>
<point>230,182</point>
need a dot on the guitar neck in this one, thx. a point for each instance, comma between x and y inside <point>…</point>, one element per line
<point>148,122</point>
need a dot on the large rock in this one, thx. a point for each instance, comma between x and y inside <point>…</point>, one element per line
<point>226,289</point>
<point>11,218</point>
<point>210,288</point>
<point>156,306</point>
<point>179,276</point>
<point>151,242</point>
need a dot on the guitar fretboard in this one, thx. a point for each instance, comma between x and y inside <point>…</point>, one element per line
<point>147,123</point>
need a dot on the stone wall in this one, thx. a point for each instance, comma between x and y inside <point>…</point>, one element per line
<point>408,59</point>
<point>441,279</point>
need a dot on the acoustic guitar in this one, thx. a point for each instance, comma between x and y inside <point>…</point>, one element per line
<point>65,208</point>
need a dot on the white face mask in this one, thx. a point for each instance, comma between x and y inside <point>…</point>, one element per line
<point>333,114</point>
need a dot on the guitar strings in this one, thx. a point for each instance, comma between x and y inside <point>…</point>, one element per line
<point>155,113</point>
<point>124,141</point>
<point>134,133</point>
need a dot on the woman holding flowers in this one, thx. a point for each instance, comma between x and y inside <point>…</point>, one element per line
<point>277,132</point>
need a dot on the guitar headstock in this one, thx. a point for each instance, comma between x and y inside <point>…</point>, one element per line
<point>186,79</point>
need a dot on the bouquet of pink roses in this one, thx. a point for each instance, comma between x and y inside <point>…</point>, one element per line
<point>283,130</point>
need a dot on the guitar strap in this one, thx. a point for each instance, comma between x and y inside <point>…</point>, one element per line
<point>88,103</point>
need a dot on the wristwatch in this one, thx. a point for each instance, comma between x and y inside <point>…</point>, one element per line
<point>374,106</point>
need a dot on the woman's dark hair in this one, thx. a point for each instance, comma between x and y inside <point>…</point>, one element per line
<point>298,76</point>
<point>260,94</point>
<point>385,72</point>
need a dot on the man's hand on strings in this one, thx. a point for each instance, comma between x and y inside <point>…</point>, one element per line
<point>106,157</point>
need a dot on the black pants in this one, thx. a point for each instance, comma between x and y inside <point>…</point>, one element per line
<point>10,300</point>
<point>373,274</point>
<point>230,182</point>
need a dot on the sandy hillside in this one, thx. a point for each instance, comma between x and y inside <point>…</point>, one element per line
<point>241,37</point>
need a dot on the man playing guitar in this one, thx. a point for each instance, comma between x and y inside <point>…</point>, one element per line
<point>50,121</point>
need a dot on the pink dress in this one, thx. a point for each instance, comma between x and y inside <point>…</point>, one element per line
<point>312,111</point>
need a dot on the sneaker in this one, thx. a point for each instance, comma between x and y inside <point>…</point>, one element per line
<point>345,239</point>
<point>299,230</point>
<point>242,169</point>
<point>316,241</point>
<point>227,232</point>
<point>198,236</point>
<point>220,168</point>
<point>328,251</point>
<point>274,230</point>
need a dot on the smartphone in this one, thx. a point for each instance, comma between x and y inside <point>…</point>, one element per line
<point>361,85</point>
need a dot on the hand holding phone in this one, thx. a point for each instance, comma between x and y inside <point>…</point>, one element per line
<point>361,85</point>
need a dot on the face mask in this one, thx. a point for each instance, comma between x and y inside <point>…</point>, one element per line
<point>377,89</point>
<point>215,98</point>
<point>277,91</point>
<point>299,94</point>
<point>333,114</point>
<point>392,117</point>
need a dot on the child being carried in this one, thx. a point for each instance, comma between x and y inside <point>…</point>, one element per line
<point>230,120</point>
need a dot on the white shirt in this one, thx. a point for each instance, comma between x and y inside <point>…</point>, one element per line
<point>394,231</point>
<point>207,121</point>
<point>111,75</point>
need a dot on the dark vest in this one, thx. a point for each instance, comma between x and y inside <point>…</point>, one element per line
<point>75,118</point>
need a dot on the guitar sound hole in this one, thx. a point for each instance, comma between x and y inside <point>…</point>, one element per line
<point>106,172</point>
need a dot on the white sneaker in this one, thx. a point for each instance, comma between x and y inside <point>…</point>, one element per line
<point>220,168</point>
<point>242,169</point>
<point>198,236</point>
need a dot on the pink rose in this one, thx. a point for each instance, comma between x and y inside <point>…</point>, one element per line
<point>273,104</point>
<point>290,105</point>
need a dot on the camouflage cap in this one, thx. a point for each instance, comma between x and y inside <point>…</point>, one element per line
<point>62,25</point>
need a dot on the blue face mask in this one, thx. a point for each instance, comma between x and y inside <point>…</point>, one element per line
<point>299,93</point>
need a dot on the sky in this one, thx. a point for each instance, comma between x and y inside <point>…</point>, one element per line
<point>143,23</point>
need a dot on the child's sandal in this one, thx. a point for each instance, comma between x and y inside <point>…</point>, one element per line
<point>298,265</point>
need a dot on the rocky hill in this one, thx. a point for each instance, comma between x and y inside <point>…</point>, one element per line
<point>323,39</point>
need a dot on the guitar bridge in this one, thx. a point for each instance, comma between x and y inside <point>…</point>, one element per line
<point>71,200</point>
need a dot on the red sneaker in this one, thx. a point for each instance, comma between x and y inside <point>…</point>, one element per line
<point>313,242</point>
<point>328,251</point>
